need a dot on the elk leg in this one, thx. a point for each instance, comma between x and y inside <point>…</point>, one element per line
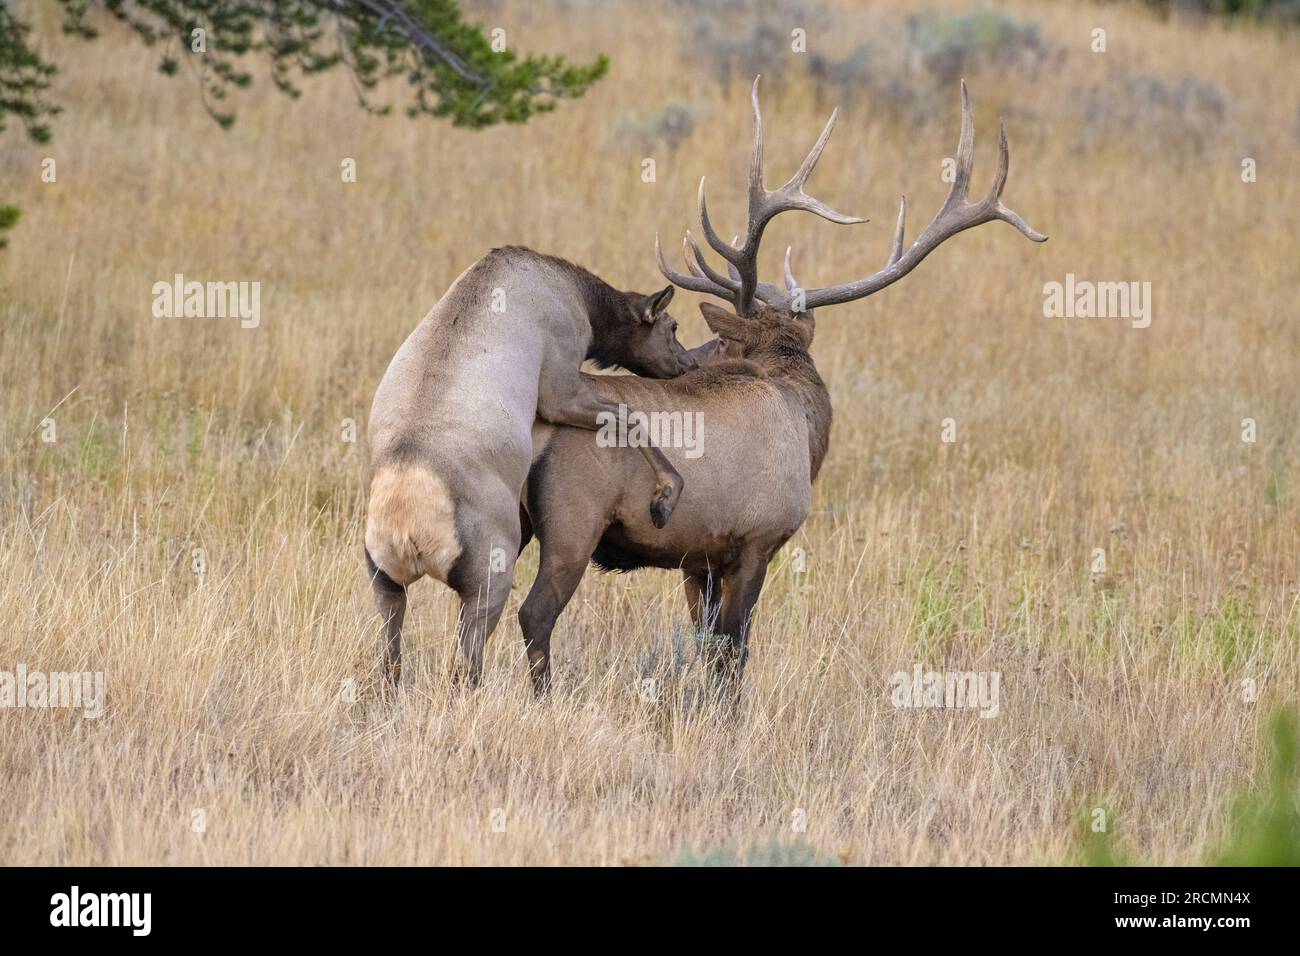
<point>557,579</point>
<point>581,407</point>
<point>525,529</point>
<point>560,571</point>
<point>668,485</point>
<point>390,598</point>
<point>482,578</point>
<point>479,614</point>
<point>703,599</point>
<point>741,588</point>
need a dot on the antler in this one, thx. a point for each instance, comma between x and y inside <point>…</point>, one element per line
<point>741,286</point>
<point>956,216</point>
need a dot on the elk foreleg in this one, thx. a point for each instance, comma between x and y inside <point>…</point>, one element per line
<point>578,405</point>
<point>559,573</point>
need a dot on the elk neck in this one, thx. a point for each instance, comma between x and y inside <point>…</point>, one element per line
<point>789,365</point>
<point>609,314</point>
<point>606,309</point>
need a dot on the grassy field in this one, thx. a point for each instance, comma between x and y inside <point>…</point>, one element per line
<point>241,726</point>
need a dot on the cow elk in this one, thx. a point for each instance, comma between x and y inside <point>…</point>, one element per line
<point>449,434</point>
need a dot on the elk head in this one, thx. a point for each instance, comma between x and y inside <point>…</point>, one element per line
<point>771,334</point>
<point>645,342</point>
<point>770,305</point>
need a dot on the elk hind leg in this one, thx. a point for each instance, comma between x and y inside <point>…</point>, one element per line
<point>482,578</point>
<point>703,598</point>
<point>480,610</point>
<point>741,587</point>
<point>390,598</point>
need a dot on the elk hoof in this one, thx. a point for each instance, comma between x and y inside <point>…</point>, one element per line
<point>661,509</point>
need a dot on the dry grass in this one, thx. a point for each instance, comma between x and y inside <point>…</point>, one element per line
<point>224,690</point>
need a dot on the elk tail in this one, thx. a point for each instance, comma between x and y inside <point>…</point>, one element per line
<point>410,524</point>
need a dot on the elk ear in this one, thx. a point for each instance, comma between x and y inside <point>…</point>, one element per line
<point>655,304</point>
<point>722,322</point>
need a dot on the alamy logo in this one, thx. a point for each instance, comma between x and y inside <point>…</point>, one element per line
<point>208,300</point>
<point>38,689</point>
<point>1081,299</point>
<point>660,429</point>
<point>976,690</point>
<point>103,909</point>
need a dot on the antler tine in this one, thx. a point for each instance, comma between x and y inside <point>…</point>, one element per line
<point>760,198</point>
<point>692,282</point>
<point>999,182</point>
<point>700,267</point>
<point>756,160</point>
<point>955,216</point>
<point>731,253</point>
<point>793,189</point>
<point>965,152</point>
<point>896,252</point>
<point>1004,161</point>
<point>765,204</point>
<point>791,283</point>
<point>810,161</point>
<point>691,264</point>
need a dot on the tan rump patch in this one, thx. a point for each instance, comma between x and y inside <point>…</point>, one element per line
<point>410,524</point>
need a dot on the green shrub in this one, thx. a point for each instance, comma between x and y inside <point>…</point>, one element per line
<point>1265,822</point>
<point>1265,828</point>
<point>8,217</point>
<point>951,47</point>
<point>1285,11</point>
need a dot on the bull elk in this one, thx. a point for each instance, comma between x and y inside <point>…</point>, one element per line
<point>768,417</point>
<point>449,434</point>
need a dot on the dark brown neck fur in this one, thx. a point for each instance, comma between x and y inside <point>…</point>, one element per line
<point>785,359</point>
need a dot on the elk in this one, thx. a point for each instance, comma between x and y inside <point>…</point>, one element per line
<point>768,417</point>
<point>449,434</point>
